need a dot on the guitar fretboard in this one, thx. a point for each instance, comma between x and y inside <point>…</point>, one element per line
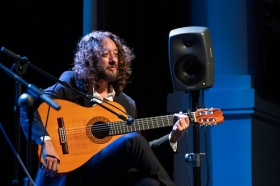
<point>140,124</point>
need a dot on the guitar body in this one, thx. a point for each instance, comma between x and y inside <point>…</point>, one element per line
<point>70,129</point>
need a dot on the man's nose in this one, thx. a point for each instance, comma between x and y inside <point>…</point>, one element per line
<point>113,59</point>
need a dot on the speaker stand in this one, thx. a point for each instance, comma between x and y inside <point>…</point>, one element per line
<point>195,157</point>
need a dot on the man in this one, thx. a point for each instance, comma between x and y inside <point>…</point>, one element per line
<point>101,70</point>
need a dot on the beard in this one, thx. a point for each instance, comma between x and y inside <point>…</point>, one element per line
<point>107,76</point>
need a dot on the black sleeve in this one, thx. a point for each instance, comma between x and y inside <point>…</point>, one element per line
<point>38,128</point>
<point>161,146</point>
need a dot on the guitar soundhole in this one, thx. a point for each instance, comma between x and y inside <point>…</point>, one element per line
<point>98,131</point>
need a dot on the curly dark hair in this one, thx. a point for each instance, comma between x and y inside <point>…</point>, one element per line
<point>86,59</point>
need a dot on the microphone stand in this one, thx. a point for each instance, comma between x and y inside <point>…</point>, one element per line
<point>19,69</point>
<point>195,157</point>
<point>30,103</point>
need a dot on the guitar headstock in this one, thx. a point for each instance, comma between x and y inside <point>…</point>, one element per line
<point>208,116</point>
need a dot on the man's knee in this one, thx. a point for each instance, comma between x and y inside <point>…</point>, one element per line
<point>43,180</point>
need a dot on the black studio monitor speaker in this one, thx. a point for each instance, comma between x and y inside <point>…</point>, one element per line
<point>191,58</point>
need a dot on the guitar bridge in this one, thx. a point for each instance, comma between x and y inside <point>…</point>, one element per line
<point>62,136</point>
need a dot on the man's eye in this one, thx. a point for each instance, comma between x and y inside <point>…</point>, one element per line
<point>105,54</point>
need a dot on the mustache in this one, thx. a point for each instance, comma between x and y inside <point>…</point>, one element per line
<point>113,66</point>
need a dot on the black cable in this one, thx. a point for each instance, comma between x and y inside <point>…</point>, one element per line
<point>46,124</point>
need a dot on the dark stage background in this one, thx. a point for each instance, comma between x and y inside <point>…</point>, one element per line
<point>47,33</point>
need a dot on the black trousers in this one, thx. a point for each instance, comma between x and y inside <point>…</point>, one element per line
<point>127,161</point>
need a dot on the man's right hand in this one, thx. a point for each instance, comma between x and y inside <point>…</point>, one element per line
<point>51,159</point>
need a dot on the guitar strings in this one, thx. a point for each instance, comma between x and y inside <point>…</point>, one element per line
<point>113,128</point>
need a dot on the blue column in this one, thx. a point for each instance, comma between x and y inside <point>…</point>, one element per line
<point>89,16</point>
<point>228,144</point>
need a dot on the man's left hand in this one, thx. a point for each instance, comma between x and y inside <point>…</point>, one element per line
<point>181,124</point>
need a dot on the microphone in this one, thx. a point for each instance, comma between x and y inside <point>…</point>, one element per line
<point>13,55</point>
<point>21,64</point>
<point>9,53</point>
<point>26,101</point>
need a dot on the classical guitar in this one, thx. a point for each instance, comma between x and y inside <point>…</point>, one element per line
<point>80,132</point>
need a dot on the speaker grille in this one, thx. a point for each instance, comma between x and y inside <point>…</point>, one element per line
<point>189,70</point>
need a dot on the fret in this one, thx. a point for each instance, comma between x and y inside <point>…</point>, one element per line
<point>111,132</point>
<point>129,128</point>
<point>118,128</point>
<point>162,120</point>
<point>152,122</point>
<point>138,125</point>
<point>144,124</point>
<point>168,121</point>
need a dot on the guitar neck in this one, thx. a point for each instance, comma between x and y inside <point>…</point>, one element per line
<point>141,124</point>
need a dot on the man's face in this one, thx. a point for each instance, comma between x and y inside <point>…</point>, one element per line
<point>108,66</point>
